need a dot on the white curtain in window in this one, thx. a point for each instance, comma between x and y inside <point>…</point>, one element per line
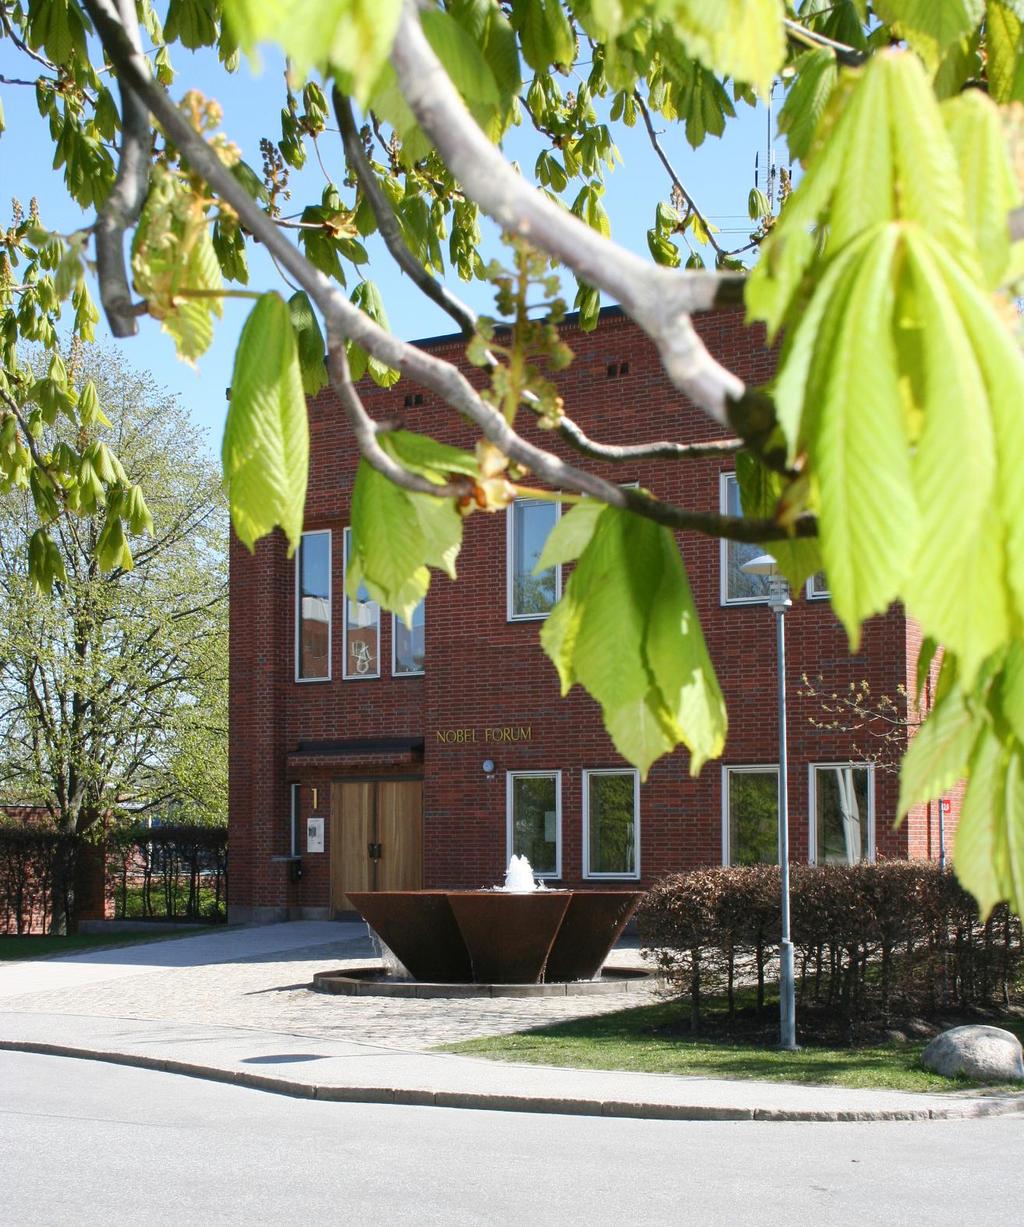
<point>851,814</point>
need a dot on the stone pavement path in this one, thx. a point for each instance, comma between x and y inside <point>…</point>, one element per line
<point>270,991</point>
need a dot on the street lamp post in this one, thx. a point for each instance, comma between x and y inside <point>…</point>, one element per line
<point>779,601</point>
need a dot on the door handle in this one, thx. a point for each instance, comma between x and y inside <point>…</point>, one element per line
<point>373,851</point>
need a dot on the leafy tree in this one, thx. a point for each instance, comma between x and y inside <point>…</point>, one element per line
<point>113,689</point>
<point>888,450</point>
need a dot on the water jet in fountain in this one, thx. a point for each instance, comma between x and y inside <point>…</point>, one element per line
<point>519,876</point>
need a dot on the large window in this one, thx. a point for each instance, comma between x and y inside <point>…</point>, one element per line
<point>313,608</point>
<point>842,813</point>
<point>611,824</point>
<point>408,646</point>
<point>738,588</point>
<point>535,820</point>
<point>750,815</point>
<point>362,631</point>
<point>529,595</point>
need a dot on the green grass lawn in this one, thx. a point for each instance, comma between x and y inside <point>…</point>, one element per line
<point>648,1039</point>
<point>36,946</point>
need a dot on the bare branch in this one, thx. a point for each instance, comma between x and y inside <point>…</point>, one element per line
<point>659,299</point>
<point>387,223</point>
<point>30,442</point>
<point>665,450</point>
<point>365,430</point>
<point>676,181</point>
<point>811,38</point>
<point>23,46</point>
<point>122,207</point>
<point>17,81</point>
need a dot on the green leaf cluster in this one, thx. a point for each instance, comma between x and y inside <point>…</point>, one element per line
<point>899,379</point>
<point>397,534</point>
<point>978,731</point>
<point>266,438</point>
<point>175,265</point>
<point>627,630</point>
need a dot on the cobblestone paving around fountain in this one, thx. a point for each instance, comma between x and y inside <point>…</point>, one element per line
<point>271,993</point>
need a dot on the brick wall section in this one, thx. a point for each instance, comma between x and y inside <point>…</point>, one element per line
<point>482,671</point>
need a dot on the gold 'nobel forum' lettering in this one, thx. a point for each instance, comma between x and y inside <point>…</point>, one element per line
<point>467,737</point>
<point>456,737</point>
<point>509,733</point>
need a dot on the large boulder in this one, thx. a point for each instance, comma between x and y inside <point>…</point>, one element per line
<point>983,1054</point>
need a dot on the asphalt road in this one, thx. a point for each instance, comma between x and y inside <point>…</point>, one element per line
<point>86,1143</point>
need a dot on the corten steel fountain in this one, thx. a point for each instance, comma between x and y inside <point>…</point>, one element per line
<point>472,941</point>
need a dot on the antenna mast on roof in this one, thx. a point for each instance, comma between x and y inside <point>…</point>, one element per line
<point>766,177</point>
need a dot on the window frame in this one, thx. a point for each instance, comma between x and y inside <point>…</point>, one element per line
<point>812,808</point>
<point>510,545</point>
<point>812,595</point>
<point>745,769</point>
<point>395,620</point>
<point>724,598</point>
<point>345,675</point>
<point>556,773</point>
<point>596,875</point>
<point>314,532</point>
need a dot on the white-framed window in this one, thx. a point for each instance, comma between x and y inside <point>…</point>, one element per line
<point>313,607</point>
<point>611,823</point>
<point>817,587</point>
<point>408,646</point>
<point>750,815</point>
<point>534,807</point>
<point>530,596</point>
<point>737,588</point>
<point>842,813</point>
<point>361,649</point>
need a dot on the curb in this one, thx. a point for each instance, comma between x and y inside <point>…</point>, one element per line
<point>483,1101</point>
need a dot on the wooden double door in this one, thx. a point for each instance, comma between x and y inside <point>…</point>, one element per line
<point>376,837</point>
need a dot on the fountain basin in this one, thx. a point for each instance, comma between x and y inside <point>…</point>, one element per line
<point>374,981</point>
<point>498,937</point>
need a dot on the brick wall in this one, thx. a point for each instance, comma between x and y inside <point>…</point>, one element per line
<point>483,671</point>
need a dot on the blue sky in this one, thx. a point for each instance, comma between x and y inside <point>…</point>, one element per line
<point>718,175</point>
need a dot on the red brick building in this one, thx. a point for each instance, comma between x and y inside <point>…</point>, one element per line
<point>363,755</point>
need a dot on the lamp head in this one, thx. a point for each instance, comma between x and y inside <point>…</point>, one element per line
<point>778,588</point>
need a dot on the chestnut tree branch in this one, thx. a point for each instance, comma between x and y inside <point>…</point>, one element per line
<point>663,450</point>
<point>346,321</point>
<point>677,183</point>
<point>122,207</point>
<point>365,430</point>
<point>387,223</point>
<point>659,299</point>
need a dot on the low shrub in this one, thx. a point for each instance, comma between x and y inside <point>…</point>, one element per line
<point>870,940</point>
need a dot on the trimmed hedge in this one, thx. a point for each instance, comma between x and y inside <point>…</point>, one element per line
<point>152,873</point>
<point>37,877</point>
<point>172,872</point>
<point>871,940</point>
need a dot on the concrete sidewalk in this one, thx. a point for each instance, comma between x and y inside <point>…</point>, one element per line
<point>330,1070</point>
<point>234,1006</point>
<point>74,971</point>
